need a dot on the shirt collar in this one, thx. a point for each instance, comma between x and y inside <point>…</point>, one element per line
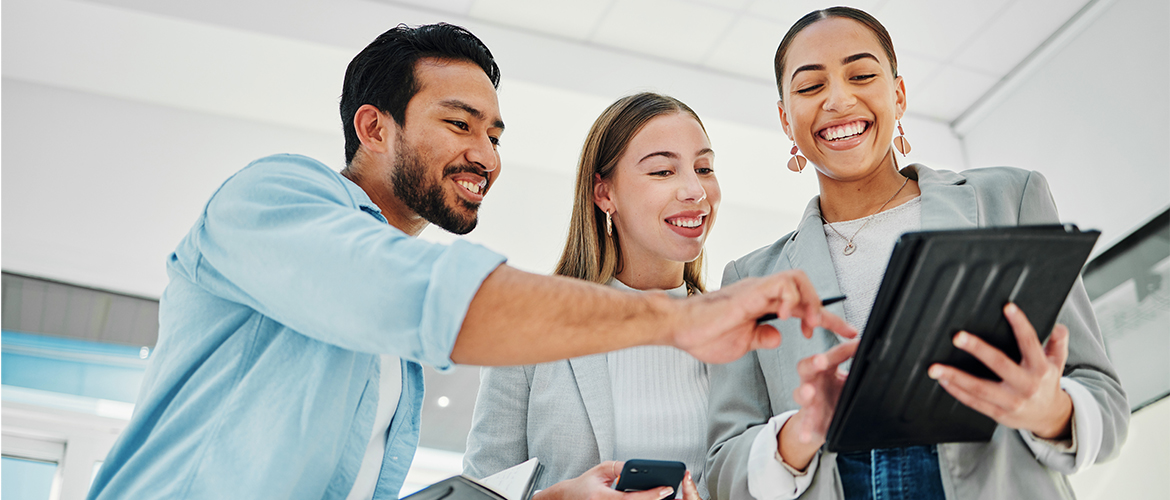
<point>361,198</point>
<point>679,292</point>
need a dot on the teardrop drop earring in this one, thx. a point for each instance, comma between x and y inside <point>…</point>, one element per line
<point>900,142</point>
<point>797,162</point>
<point>608,224</point>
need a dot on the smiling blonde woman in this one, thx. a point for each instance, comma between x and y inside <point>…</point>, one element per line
<point>646,199</point>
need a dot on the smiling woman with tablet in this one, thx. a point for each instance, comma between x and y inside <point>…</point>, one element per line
<point>1058,411</point>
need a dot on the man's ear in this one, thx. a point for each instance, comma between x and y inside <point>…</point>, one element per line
<point>602,197</point>
<point>375,129</point>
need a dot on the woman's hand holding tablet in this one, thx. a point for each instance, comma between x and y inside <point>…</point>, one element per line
<point>1028,395</point>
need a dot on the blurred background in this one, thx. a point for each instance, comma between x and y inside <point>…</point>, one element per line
<point>121,117</point>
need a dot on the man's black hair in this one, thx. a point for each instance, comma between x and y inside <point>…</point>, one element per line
<point>382,74</point>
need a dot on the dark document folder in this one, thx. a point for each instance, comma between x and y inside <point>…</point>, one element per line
<point>938,283</point>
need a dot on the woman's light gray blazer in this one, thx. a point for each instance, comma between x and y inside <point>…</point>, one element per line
<point>746,393</point>
<point>559,412</point>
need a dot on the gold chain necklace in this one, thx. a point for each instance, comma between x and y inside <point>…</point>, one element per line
<point>849,246</point>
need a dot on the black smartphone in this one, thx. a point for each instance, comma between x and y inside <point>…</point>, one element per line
<point>641,475</point>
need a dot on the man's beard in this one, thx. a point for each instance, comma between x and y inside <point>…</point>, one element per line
<point>426,198</point>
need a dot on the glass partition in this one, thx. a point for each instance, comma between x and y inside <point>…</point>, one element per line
<point>26,479</point>
<point>1129,285</point>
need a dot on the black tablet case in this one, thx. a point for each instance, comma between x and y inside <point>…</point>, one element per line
<point>456,488</point>
<point>938,283</point>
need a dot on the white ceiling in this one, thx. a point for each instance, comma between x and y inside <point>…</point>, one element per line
<point>165,99</point>
<point>950,52</point>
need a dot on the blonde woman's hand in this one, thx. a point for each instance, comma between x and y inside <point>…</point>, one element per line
<point>1028,395</point>
<point>690,492</point>
<point>597,484</point>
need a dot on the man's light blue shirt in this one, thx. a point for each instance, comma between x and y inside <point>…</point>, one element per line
<point>264,382</point>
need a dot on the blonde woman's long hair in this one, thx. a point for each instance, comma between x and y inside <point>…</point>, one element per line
<point>591,254</point>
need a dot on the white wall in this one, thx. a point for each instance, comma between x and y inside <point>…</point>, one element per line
<point>1140,470</point>
<point>99,190</point>
<point>119,124</point>
<point>1095,119</point>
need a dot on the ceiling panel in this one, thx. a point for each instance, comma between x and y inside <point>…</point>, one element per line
<point>748,49</point>
<point>1016,33</point>
<point>574,19</point>
<point>175,62</point>
<point>788,12</point>
<point>738,37</point>
<point>936,29</point>
<point>731,5</point>
<point>674,30</point>
<point>460,7</point>
<point>916,71</point>
<point>949,93</point>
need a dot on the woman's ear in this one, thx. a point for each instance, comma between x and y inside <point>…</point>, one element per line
<point>900,96</point>
<point>784,119</point>
<point>602,195</point>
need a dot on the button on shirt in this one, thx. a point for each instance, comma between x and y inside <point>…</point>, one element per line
<point>265,379</point>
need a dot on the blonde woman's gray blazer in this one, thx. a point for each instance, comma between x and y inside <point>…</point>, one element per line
<point>746,393</point>
<point>560,412</point>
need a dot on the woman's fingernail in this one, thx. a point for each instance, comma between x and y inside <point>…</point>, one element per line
<point>665,492</point>
<point>961,339</point>
<point>1011,308</point>
<point>934,372</point>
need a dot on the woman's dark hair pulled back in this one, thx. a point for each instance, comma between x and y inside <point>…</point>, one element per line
<point>879,31</point>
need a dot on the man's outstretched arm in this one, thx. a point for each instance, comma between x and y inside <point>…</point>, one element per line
<point>523,318</point>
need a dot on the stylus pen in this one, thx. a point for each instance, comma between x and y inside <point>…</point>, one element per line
<point>824,302</point>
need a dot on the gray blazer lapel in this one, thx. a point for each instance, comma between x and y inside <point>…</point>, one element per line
<point>592,374</point>
<point>948,202</point>
<point>809,251</point>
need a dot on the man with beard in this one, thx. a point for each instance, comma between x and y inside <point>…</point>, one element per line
<point>301,305</point>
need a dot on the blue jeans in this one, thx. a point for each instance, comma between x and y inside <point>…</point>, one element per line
<point>909,473</point>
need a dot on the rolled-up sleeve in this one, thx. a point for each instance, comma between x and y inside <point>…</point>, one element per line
<point>289,240</point>
<point>1081,449</point>
<point>769,478</point>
